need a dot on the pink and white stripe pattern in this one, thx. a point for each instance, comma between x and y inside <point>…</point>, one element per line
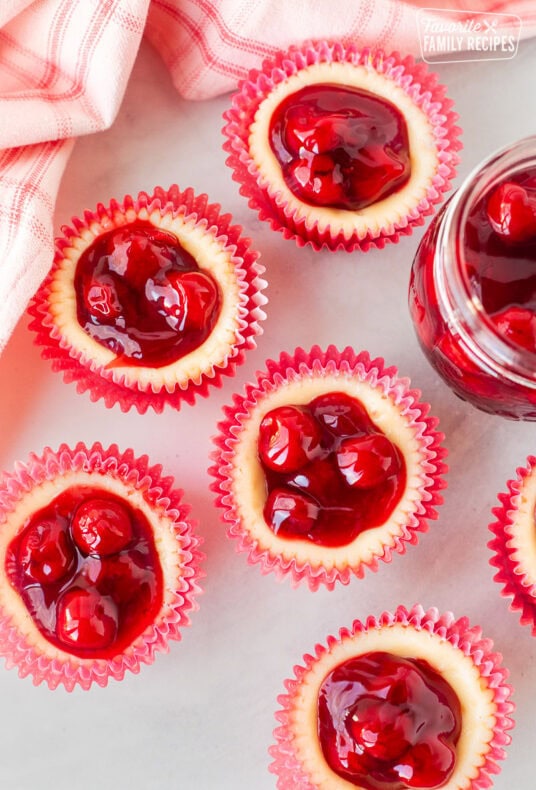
<point>56,57</point>
<point>55,61</point>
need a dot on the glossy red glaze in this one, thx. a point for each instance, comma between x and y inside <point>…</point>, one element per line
<point>389,723</point>
<point>340,146</point>
<point>91,604</point>
<point>142,295</point>
<point>316,498</point>
<point>501,272</point>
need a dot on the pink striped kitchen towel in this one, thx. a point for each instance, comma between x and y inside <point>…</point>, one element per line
<point>56,57</point>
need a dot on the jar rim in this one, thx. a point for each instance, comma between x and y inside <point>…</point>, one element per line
<point>477,329</point>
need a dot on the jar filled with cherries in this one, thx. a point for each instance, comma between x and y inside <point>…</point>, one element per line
<point>472,292</point>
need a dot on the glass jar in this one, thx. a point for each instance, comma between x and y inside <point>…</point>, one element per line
<point>458,337</point>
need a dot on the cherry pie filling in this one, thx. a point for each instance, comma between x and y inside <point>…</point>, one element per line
<point>87,569</point>
<point>340,146</point>
<point>389,723</point>
<point>330,472</point>
<point>140,294</point>
<point>500,257</point>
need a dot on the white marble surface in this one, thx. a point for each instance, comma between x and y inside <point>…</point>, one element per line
<point>201,717</point>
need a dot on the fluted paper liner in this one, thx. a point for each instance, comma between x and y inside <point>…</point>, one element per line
<point>334,564</point>
<point>514,553</point>
<point>59,667</point>
<point>447,631</point>
<point>416,82</point>
<point>111,383</point>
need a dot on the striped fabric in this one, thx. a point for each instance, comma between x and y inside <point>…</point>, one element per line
<point>56,57</point>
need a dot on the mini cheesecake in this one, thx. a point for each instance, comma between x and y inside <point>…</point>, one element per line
<point>98,565</point>
<point>340,147</point>
<point>327,464</point>
<point>150,302</point>
<point>411,700</point>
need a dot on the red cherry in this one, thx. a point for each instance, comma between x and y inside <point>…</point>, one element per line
<point>512,212</point>
<point>306,131</point>
<point>325,136</point>
<point>201,299</point>
<point>298,126</point>
<point>318,180</point>
<point>288,438</point>
<point>380,728</point>
<point>517,324</point>
<point>101,299</point>
<point>101,527</point>
<point>341,414</point>
<point>374,174</point>
<point>426,764</point>
<point>189,301</point>
<point>46,553</point>
<point>366,461</point>
<point>139,251</point>
<point>86,620</point>
<point>289,512</point>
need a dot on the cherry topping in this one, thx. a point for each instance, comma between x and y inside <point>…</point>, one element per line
<point>512,212</point>
<point>101,527</point>
<point>330,473</point>
<point>340,146</point>
<point>290,512</point>
<point>389,723</point>
<point>288,438</point>
<point>143,296</point>
<point>320,479</point>
<point>86,619</point>
<point>88,571</point>
<point>45,553</point>
<point>380,728</point>
<point>366,461</point>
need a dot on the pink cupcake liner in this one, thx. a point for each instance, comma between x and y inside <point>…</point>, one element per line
<point>459,633</point>
<point>510,573</point>
<point>159,493</point>
<point>417,82</point>
<point>109,384</point>
<point>304,364</point>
